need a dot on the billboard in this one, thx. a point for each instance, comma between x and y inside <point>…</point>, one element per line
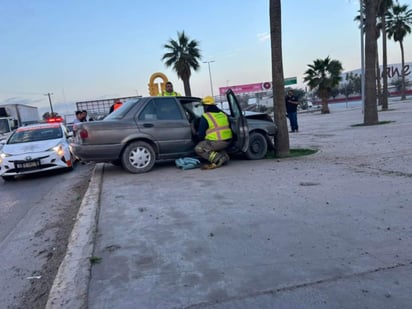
<point>257,87</point>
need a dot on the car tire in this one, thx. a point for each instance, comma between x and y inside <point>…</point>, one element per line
<point>138,157</point>
<point>8,178</point>
<point>258,146</point>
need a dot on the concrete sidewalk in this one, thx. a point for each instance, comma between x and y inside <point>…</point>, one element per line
<point>330,230</point>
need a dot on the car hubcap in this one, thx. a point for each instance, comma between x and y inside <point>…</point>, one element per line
<point>139,157</point>
<point>255,147</point>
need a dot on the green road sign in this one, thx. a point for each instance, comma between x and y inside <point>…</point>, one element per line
<point>290,81</point>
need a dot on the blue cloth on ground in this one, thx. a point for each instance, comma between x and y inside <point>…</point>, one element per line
<point>187,163</point>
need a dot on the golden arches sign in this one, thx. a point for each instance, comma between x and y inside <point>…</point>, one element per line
<point>154,87</point>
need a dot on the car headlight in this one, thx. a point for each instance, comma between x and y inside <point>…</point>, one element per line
<point>3,155</point>
<point>58,149</point>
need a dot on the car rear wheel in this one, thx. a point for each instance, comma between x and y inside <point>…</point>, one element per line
<point>8,178</point>
<point>258,146</point>
<point>138,157</point>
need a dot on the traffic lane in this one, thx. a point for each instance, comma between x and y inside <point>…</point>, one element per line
<point>37,214</point>
<point>23,193</point>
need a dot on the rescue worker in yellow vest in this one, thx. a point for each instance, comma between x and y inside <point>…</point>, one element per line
<point>214,134</point>
<point>169,92</point>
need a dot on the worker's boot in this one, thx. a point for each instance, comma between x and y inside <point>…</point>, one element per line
<point>209,166</point>
<point>222,158</point>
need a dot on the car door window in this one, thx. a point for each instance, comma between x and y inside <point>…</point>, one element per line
<point>167,109</point>
<point>161,109</point>
<point>149,112</point>
<point>238,122</point>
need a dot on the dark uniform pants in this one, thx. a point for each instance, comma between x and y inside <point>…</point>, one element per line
<point>213,151</point>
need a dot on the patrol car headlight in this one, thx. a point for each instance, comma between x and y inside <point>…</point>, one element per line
<point>4,155</point>
<point>58,149</point>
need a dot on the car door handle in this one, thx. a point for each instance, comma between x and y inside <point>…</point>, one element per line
<point>148,125</point>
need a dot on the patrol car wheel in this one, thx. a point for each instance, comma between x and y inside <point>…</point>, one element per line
<point>138,157</point>
<point>258,146</point>
<point>8,178</point>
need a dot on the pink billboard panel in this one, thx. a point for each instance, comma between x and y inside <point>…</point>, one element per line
<point>247,88</point>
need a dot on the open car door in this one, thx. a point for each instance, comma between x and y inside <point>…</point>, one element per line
<point>238,123</point>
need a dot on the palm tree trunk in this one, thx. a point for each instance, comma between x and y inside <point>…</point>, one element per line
<point>371,111</point>
<point>403,96</point>
<point>384,66</point>
<point>378,79</point>
<point>325,106</point>
<point>282,147</point>
<point>186,86</point>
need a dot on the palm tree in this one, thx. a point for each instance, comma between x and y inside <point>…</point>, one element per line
<point>183,56</point>
<point>398,21</point>
<point>380,27</point>
<point>322,76</point>
<point>282,137</point>
<point>370,115</point>
<point>382,10</point>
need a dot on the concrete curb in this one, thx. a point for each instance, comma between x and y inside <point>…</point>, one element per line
<point>70,287</point>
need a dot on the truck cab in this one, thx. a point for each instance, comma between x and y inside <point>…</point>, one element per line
<point>7,125</point>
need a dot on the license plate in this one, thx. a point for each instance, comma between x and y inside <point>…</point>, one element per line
<point>29,164</point>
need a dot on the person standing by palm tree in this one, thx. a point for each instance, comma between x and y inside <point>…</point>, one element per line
<point>183,56</point>
<point>292,103</point>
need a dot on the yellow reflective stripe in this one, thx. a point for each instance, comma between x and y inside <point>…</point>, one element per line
<point>216,128</point>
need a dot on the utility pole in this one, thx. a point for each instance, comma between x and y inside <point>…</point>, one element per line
<point>51,106</point>
<point>210,74</point>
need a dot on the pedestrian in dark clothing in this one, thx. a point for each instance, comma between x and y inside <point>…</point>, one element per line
<point>292,103</point>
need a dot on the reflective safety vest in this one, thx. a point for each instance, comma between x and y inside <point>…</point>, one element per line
<point>169,94</point>
<point>219,129</point>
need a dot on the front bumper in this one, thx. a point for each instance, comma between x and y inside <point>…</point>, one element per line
<point>33,163</point>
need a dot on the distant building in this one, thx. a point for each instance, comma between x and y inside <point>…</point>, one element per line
<point>394,71</point>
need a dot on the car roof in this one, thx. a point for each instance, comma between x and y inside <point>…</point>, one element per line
<point>41,125</point>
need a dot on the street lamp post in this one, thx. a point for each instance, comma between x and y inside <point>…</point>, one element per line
<point>51,106</point>
<point>210,74</point>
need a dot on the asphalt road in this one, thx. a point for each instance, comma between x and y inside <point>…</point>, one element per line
<point>36,217</point>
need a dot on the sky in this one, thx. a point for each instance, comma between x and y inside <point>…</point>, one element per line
<point>87,50</point>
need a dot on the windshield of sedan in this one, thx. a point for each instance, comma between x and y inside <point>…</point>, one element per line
<point>122,110</point>
<point>35,134</point>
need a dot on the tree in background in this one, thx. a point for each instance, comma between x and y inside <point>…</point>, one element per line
<point>183,56</point>
<point>348,87</point>
<point>382,11</point>
<point>398,22</point>
<point>322,76</point>
<point>48,115</point>
<point>282,148</point>
<point>397,83</point>
<point>382,8</point>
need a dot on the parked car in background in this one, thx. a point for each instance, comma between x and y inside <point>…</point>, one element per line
<point>36,148</point>
<point>152,129</point>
